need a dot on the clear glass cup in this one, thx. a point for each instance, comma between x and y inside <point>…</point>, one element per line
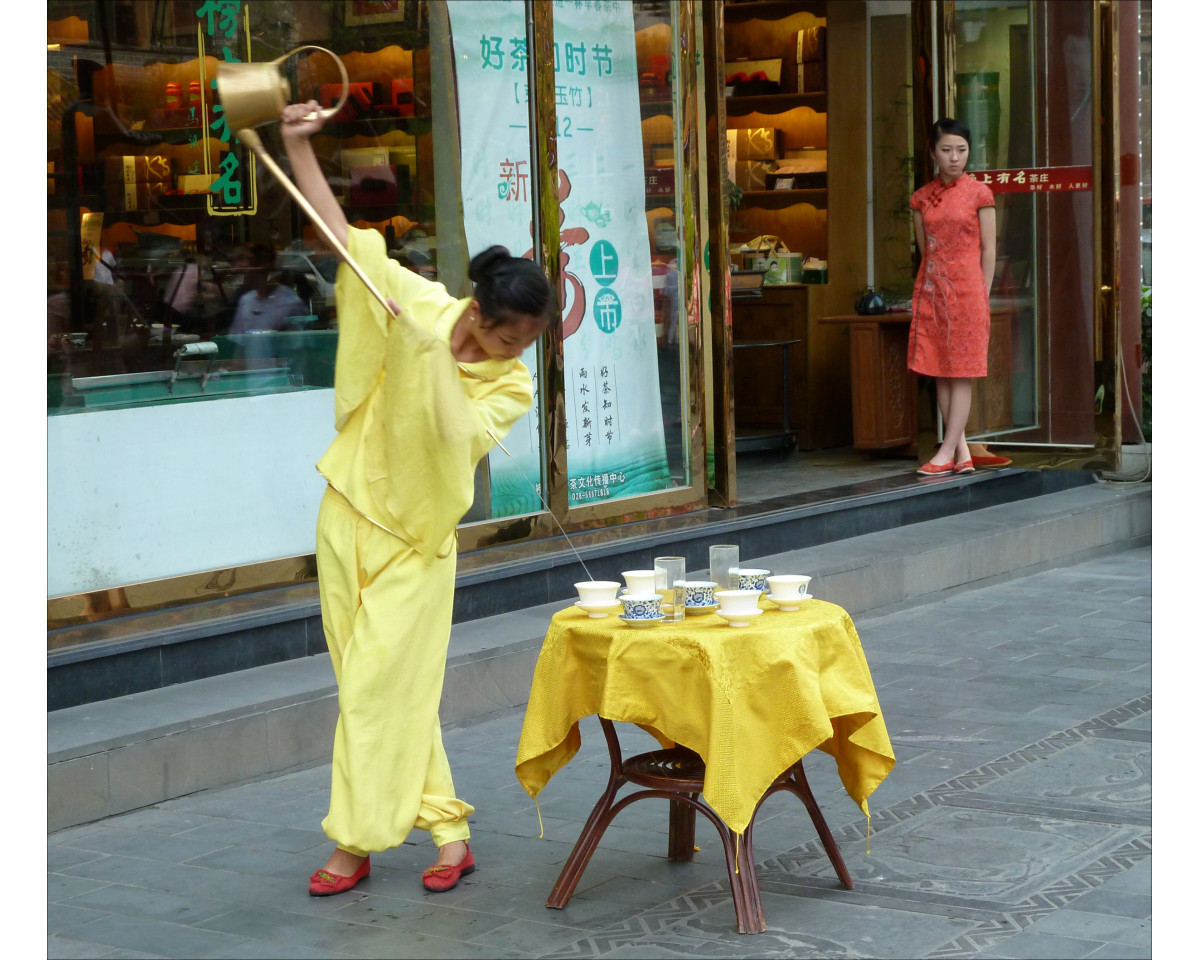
<point>723,565</point>
<point>669,571</point>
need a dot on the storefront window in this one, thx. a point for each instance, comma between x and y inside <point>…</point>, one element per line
<point>199,277</point>
<point>192,323</point>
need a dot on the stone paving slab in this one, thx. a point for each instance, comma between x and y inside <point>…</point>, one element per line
<point>1015,824</point>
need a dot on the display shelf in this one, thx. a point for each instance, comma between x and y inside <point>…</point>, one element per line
<point>183,213</point>
<point>775,199</point>
<point>172,136</point>
<point>657,108</point>
<point>60,56</point>
<point>771,10</point>
<point>775,103</point>
<point>374,213</point>
<point>415,125</point>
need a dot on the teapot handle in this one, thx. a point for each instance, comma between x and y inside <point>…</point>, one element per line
<point>328,111</point>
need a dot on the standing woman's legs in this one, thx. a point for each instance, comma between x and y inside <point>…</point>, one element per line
<point>954,402</point>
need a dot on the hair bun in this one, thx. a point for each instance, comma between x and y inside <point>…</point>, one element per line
<point>485,263</point>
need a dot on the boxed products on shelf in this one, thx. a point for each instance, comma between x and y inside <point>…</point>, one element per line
<point>196,182</point>
<point>805,169</point>
<point>131,182</point>
<point>791,266</point>
<point>810,44</point>
<point>134,196</point>
<point>137,169</point>
<point>751,174</point>
<point>756,143</point>
<point>809,47</point>
<point>810,77</point>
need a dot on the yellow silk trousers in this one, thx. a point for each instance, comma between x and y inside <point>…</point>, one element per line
<point>386,616</point>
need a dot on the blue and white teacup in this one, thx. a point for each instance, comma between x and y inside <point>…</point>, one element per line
<point>642,606</point>
<point>699,593</point>
<point>750,578</point>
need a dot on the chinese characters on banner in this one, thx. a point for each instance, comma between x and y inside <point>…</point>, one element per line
<point>1035,179</point>
<point>234,191</point>
<point>615,444</point>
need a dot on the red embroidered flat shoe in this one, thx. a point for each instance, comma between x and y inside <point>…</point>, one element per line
<point>326,884</point>
<point>934,469</point>
<point>990,461</point>
<point>439,879</point>
<point>965,466</point>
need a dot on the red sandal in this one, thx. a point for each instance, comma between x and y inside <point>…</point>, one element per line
<point>439,879</point>
<point>934,469</point>
<point>326,884</point>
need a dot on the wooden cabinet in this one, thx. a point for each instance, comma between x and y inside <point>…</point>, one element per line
<point>884,400</point>
<point>885,392</point>
<point>819,389</point>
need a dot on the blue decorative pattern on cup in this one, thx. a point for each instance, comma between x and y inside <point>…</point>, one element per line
<point>641,606</point>
<point>750,579</point>
<point>700,593</point>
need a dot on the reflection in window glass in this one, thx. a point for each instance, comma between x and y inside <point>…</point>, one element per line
<point>200,278</point>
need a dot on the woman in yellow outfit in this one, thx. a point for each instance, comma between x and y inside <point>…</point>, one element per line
<point>420,398</point>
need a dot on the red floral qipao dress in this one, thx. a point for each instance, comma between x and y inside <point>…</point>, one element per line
<point>951,321</point>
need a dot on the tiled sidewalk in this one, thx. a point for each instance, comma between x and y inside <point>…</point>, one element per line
<point>1015,824</point>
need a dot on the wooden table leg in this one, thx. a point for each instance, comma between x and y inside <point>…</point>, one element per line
<point>743,883</point>
<point>750,878</point>
<point>804,792</point>
<point>594,829</point>
<point>681,844</point>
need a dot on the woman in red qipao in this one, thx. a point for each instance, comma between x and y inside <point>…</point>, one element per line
<point>954,217</point>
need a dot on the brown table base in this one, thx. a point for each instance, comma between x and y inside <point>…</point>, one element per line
<point>678,775</point>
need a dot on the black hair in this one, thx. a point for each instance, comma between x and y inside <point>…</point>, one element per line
<point>507,286</point>
<point>948,125</point>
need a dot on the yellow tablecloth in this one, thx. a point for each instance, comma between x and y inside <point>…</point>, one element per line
<point>751,701</point>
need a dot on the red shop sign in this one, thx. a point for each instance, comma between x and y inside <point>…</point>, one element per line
<point>1035,179</point>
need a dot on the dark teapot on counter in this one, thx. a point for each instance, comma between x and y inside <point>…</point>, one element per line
<point>870,303</point>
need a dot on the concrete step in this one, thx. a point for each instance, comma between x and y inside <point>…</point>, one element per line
<point>117,755</point>
<point>162,648</point>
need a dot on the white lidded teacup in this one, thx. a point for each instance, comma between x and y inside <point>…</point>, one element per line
<point>788,586</point>
<point>597,592</point>
<point>639,581</point>
<point>738,601</point>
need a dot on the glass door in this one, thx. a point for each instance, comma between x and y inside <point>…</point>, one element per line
<point>1036,84</point>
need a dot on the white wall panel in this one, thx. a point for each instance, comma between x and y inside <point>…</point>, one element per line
<point>165,490</point>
